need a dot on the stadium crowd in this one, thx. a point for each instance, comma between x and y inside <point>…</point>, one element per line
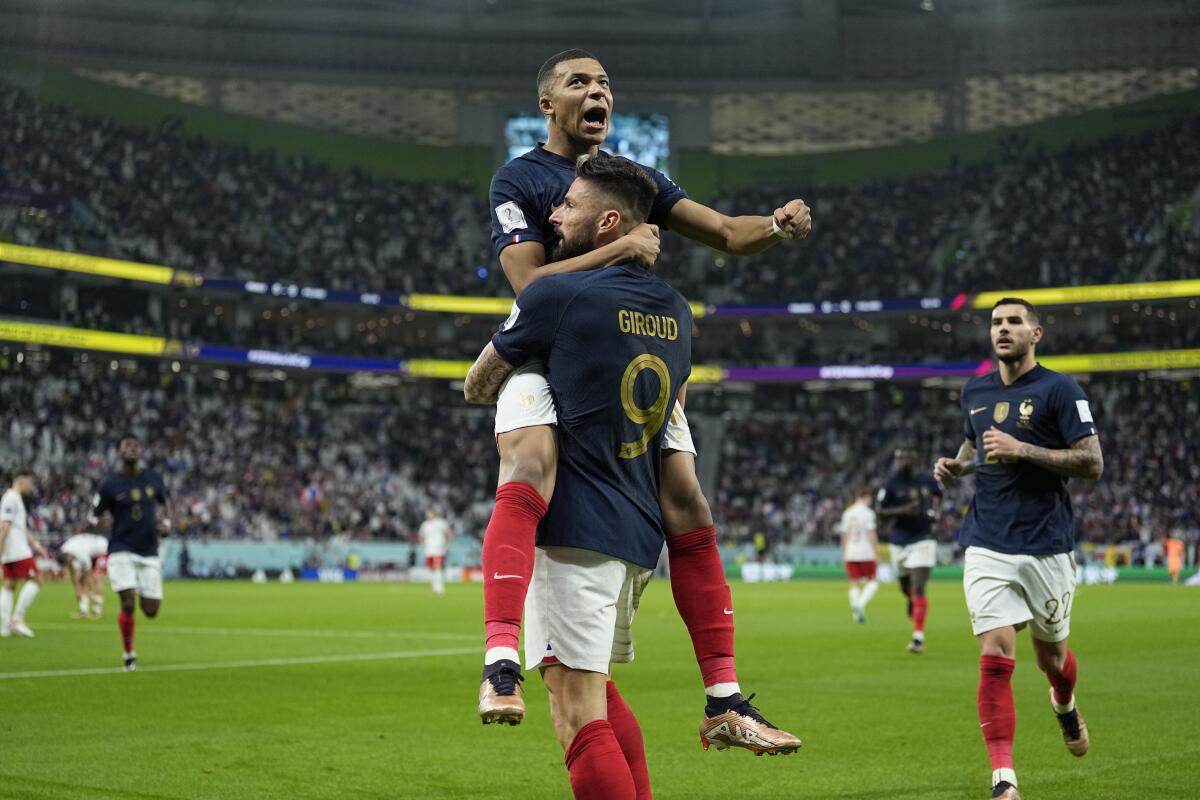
<point>1118,209</point>
<point>316,459</point>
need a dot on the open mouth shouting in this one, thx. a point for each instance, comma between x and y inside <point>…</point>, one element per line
<point>595,120</point>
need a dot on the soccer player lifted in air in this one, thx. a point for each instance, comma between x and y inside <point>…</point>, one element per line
<point>575,97</point>
<point>911,500</point>
<point>616,344</point>
<point>858,553</point>
<point>1028,431</point>
<point>17,548</point>
<point>132,497</point>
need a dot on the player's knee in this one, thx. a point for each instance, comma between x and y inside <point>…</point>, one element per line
<point>1051,662</point>
<point>150,608</point>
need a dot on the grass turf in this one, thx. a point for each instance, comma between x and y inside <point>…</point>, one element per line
<point>397,717</point>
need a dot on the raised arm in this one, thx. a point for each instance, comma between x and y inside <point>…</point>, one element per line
<point>525,262</point>
<point>740,236</point>
<point>485,376</point>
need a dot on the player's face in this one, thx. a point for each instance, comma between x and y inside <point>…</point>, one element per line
<point>576,221</point>
<point>130,450</point>
<point>580,101</point>
<point>903,459</point>
<point>1013,334</point>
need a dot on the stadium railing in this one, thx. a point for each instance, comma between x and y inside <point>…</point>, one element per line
<point>502,306</point>
<point>161,347</point>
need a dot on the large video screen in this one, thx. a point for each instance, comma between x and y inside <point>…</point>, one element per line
<point>644,138</point>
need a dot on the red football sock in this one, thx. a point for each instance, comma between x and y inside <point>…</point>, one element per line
<point>704,601</point>
<point>125,623</point>
<point>597,765</point>
<point>508,561</point>
<point>629,736</point>
<point>997,716</point>
<point>920,608</point>
<point>1064,682</point>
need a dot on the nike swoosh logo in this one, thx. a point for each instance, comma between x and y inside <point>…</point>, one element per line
<point>728,612</point>
<point>977,410</point>
<point>984,724</point>
<point>498,577</point>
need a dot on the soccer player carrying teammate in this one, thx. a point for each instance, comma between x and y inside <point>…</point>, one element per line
<point>1028,430</point>
<point>858,553</point>
<point>910,499</point>
<point>82,557</point>
<point>616,344</point>
<point>131,497</point>
<point>435,535</point>
<point>17,547</point>
<point>575,97</point>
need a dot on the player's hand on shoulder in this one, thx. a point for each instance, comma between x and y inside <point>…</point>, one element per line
<point>947,470</point>
<point>642,244</point>
<point>794,218</point>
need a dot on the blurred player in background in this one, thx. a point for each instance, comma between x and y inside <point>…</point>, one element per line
<point>575,97</point>
<point>910,500</point>
<point>83,556</point>
<point>17,549</point>
<point>131,497</point>
<point>435,535</point>
<point>1028,431</point>
<point>859,542</point>
<point>1174,550</point>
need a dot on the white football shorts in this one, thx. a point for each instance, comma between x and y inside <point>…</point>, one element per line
<point>580,607</point>
<point>131,571</point>
<point>1004,589</point>
<point>525,401</point>
<point>914,556</point>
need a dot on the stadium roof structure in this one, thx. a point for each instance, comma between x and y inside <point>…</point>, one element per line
<point>664,45</point>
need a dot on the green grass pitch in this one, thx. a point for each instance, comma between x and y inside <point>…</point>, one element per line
<point>368,691</point>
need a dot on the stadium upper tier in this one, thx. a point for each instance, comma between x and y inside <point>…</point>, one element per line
<point>1117,210</point>
<point>299,459</point>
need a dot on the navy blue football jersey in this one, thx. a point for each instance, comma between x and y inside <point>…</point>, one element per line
<point>900,491</point>
<point>1019,507</point>
<point>617,344</point>
<point>526,190</point>
<point>133,503</point>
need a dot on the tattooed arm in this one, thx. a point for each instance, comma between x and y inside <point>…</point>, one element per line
<point>1082,459</point>
<point>486,376</point>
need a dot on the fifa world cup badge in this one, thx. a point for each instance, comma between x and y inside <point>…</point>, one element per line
<point>1000,412</point>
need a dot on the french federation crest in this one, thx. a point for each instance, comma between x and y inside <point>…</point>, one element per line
<point>1026,411</point>
<point>1000,412</point>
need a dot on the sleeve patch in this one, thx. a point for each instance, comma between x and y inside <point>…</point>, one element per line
<point>512,318</point>
<point>1085,410</point>
<point>510,216</point>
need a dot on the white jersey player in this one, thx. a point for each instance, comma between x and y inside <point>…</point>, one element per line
<point>17,548</point>
<point>435,535</point>
<point>84,556</point>
<point>859,541</point>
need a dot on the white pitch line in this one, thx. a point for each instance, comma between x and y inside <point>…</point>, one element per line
<point>86,626</point>
<point>260,662</point>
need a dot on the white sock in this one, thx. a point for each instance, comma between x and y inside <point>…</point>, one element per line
<point>1059,709</point>
<point>867,593</point>
<point>6,607</point>
<point>723,689</point>
<point>495,654</point>
<point>98,603</point>
<point>439,582</point>
<point>854,598</point>
<point>83,604</point>
<point>920,637</point>
<point>25,599</point>
<point>1004,775</point>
